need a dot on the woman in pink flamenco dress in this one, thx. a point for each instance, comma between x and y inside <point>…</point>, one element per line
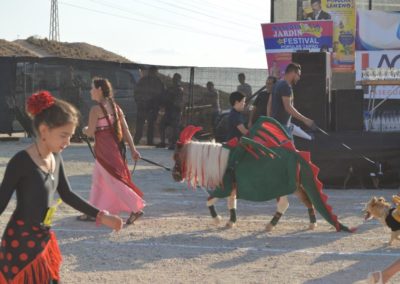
<point>112,187</point>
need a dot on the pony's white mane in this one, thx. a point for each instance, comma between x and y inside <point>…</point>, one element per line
<point>206,163</point>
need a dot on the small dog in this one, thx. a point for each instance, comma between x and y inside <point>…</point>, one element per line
<point>382,210</point>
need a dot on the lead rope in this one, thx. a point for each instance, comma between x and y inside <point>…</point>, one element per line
<point>134,168</point>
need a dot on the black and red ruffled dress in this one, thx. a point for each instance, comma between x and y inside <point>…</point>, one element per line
<point>29,252</point>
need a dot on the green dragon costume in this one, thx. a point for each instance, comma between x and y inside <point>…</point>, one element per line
<point>265,165</point>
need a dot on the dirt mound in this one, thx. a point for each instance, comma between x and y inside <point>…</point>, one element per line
<point>11,49</point>
<point>77,50</point>
<point>33,46</point>
<point>37,47</point>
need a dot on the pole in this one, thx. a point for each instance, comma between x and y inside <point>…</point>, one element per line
<point>191,96</point>
<point>272,17</point>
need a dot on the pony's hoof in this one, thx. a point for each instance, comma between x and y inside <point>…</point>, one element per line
<point>217,220</point>
<point>312,226</point>
<point>230,225</point>
<point>269,227</point>
<point>375,277</point>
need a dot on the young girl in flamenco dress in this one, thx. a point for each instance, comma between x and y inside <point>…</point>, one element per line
<point>29,252</point>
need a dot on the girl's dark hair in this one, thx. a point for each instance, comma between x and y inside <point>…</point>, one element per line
<point>104,85</point>
<point>57,115</point>
<point>106,88</point>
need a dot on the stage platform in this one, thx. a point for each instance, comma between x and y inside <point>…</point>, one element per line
<point>342,168</point>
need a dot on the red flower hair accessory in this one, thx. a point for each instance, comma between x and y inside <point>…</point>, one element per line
<point>39,101</point>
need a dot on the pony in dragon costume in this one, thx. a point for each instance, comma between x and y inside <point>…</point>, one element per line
<point>261,166</point>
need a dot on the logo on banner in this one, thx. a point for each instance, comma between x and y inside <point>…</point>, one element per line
<point>384,61</point>
<point>307,29</point>
<point>298,30</point>
<point>379,59</point>
<point>389,63</point>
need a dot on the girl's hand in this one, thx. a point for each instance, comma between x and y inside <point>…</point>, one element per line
<point>112,221</point>
<point>135,155</point>
<point>84,130</point>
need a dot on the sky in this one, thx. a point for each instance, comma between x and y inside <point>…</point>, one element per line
<point>208,33</point>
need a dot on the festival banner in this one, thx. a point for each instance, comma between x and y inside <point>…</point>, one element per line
<point>343,14</point>
<point>378,30</point>
<point>379,59</point>
<point>277,63</point>
<point>312,36</point>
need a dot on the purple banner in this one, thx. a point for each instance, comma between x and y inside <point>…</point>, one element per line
<point>314,36</point>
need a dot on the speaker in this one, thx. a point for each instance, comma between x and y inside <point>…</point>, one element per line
<point>311,96</point>
<point>312,62</point>
<point>347,110</point>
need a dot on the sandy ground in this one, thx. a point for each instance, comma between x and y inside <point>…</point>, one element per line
<point>176,243</point>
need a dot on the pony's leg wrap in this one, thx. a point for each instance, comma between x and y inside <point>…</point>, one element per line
<point>211,206</point>
<point>213,212</point>
<point>301,193</point>
<point>281,207</point>
<point>276,218</point>
<point>311,214</point>
<point>232,202</point>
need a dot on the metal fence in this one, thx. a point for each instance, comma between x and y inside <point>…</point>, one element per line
<point>225,81</point>
<point>70,79</point>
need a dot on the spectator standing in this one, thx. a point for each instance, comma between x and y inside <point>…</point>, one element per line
<point>212,97</point>
<point>173,103</point>
<point>244,87</point>
<point>148,93</point>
